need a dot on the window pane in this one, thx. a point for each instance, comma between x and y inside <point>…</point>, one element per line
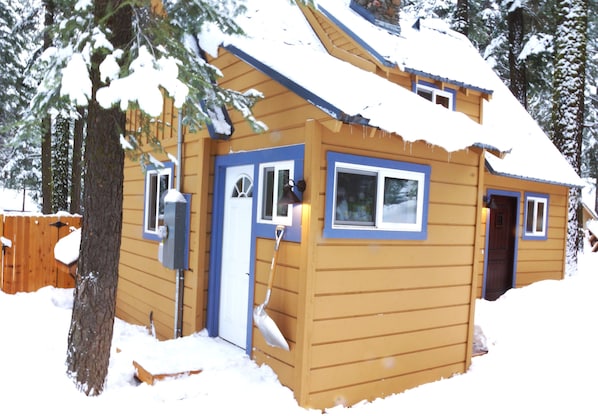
<point>268,193</point>
<point>540,218</point>
<point>152,200</point>
<point>428,95</point>
<point>529,221</point>
<point>355,198</point>
<point>283,179</point>
<point>164,186</point>
<point>442,100</point>
<point>400,201</point>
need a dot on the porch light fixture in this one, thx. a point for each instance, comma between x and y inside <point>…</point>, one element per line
<point>288,196</point>
<point>489,202</point>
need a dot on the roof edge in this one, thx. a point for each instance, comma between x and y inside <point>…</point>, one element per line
<point>510,175</point>
<point>303,92</point>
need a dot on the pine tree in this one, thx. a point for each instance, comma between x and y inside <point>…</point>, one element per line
<point>568,104</point>
<point>60,163</point>
<point>131,34</point>
<point>19,153</point>
<point>517,67</point>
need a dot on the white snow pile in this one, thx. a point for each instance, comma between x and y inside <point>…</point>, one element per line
<point>541,360</point>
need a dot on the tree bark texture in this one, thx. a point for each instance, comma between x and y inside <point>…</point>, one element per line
<point>60,163</point>
<point>570,43</point>
<point>46,165</point>
<point>92,322</point>
<point>517,68</point>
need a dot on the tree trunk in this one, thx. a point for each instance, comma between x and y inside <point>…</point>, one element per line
<point>568,105</point>
<point>75,206</point>
<point>517,69</point>
<point>92,322</point>
<point>462,17</point>
<point>60,164</point>
<point>46,165</point>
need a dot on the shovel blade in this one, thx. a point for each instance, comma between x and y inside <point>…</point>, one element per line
<point>269,329</point>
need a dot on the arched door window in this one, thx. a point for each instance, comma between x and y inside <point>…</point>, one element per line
<point>243,187</point>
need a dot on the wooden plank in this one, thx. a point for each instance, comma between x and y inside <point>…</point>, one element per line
<point>334,330</point>
<point>349,395</point>
<point>327,378</point>
<point>283,370</point>
<point>359,304</point>
<point>387,255</point>
<point>353,281</point>
<point>355,350</point>
<point>146,377</point>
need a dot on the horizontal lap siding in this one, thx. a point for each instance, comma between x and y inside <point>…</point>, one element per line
<point>284,113</point>
<point>144,284</point>
<point>536,259</point>
<point>388,315</point>
<point>282,307</point>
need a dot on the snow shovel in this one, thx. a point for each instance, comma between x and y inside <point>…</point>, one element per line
<point>265,324</point>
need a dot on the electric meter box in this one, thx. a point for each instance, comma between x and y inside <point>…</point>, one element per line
<point>175,231</point>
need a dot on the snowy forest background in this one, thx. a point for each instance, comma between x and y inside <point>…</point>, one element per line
<point>67,63</point>
<point>42,153</point>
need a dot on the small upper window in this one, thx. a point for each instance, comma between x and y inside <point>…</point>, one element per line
<point>272,178</point>
<point>157,182</point>
<point>435,95</point>
<point>376,195</point>
<point>536,216</point>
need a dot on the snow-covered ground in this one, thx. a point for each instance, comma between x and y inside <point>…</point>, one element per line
<point>542,360</point>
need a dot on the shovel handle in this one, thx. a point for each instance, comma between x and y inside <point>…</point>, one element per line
<point>278,235</point>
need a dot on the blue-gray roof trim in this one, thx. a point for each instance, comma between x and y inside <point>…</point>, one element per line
<point>308,95</point>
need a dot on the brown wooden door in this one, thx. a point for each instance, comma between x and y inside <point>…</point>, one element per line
<point>501,246</point>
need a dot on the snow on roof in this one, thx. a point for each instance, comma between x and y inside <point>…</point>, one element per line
<point>281,43</point>
<point>425,47</point>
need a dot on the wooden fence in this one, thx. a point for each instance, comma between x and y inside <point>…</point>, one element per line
<point>28,262</point>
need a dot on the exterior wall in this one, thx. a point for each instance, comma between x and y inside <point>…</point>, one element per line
<point>144,284</point>
<point>284,113</point>
<point>536,259</point>
<point>385,316</point>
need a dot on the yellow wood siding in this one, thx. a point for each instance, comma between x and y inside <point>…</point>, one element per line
<point>536,259</point>
<point>386,313</point>
<point>364,318</point>
<point>144,284</point>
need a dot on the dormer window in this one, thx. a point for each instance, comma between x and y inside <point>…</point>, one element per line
<point>436,95</point>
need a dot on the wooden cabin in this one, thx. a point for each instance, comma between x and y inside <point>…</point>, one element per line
<point>383,259</point>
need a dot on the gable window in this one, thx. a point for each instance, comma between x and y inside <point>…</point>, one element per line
<point>272,178</point>
<point>375,198</point>
<point>536,216</point>
<point>431,93</point>
<point>157,182</point>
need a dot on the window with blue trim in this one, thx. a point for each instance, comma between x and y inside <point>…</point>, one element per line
<point>536,216</point>
<point>376,198</point>
<point>445,98</point>
<point>158,181</point>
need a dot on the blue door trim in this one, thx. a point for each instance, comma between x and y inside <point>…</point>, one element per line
<point>223,162</point>
<point>517,196</point>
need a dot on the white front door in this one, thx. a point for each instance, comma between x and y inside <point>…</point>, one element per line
<point>236,245</point>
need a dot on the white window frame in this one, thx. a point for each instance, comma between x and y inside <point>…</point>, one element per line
<point>436,92</point>
<point>381,174</point>
<point>275,193</point>
<point>152,199</point>
<point>536,200</point>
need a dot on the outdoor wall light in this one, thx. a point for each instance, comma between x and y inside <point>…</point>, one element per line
<point>288,196</point>
<point>489,202</point>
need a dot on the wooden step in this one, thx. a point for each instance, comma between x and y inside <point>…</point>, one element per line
<point>145,376</point>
